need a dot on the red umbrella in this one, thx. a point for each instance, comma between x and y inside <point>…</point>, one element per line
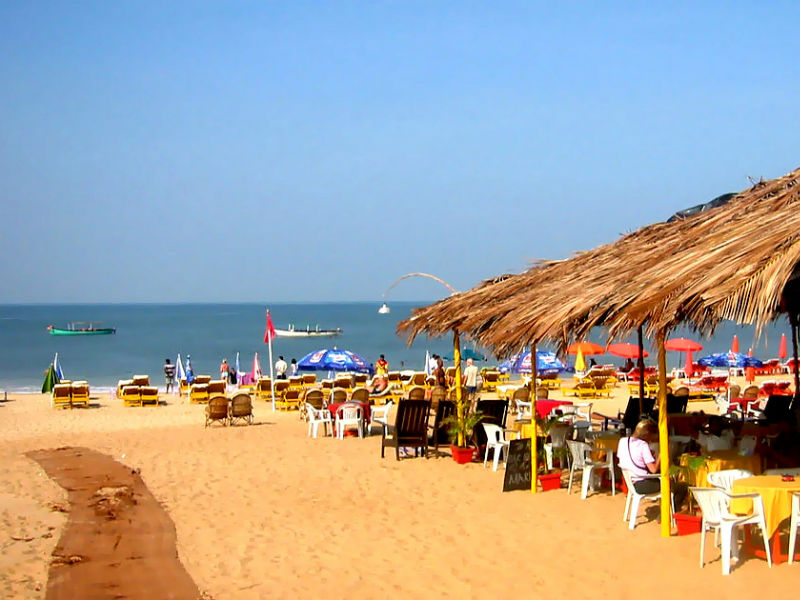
<point>586,348</point>
<point>782,347</point>
<point>626,350</point>
<point>682,345</point>
<point>735,345</point>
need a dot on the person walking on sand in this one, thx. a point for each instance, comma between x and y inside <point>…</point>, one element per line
<point>471,378</point>
<point>280,368</point>
<point>169,375</point>
<point>382,367</point>
<point>438,374</point>
<point>293,368</point>
<point>224,368</point>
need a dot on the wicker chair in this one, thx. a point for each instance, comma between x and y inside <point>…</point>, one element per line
<point>217,410</point>
<point>241,409</point>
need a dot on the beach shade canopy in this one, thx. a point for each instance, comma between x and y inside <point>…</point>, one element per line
<point>50,380</point>
<point>468,353</point>
<point>729,359</point>
<point>334,359</point>
<point>546,362</point>
<point>782,347</point>
<point>682,345</point>
<point>735,344</point>
<point>586,348</point>
<point>626,350</point>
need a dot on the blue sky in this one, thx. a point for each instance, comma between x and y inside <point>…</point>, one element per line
<point>303,151</point>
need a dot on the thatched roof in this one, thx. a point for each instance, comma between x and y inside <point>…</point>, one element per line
<point>731,262</point>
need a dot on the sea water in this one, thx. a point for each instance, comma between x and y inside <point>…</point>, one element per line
<point>149,333</point>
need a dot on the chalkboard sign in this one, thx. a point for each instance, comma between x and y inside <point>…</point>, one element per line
<point>518,466</point>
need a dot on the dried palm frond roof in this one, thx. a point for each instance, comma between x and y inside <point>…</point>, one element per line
<point>731,262</point>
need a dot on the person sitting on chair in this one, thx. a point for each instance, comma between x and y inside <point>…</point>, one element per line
<point>378,385</point>
<point>636,457</point>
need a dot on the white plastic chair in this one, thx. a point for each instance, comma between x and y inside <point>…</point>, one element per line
<point>316,416</point>
<point>496,441</point>
<point>794,524</point>
<point>523,409</point>
<point>558,440</point>
<point>715,506</point>
<point>347,415</point>
<point>634,498</point>
<point>583,410</point>
<point>581,463</point>
<point>724,479</point>
<point>380,415</point>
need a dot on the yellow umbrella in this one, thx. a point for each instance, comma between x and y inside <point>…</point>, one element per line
<point>580,364</point>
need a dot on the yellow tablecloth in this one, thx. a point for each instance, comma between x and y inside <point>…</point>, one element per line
<point>776,495</point>
<point>719,460</point>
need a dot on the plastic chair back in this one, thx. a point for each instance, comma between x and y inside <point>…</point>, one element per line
<point>724,479</point>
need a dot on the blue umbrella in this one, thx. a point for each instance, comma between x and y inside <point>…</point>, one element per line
<point>546,362</point>
<point>729,359</point>
<point>334,359</point>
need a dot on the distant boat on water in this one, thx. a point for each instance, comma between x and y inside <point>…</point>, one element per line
<point>292,331</point>
<point>81,328</point>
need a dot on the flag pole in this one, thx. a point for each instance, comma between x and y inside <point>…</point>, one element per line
<point>271,375</point>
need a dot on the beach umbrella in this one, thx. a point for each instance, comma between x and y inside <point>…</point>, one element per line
<point>57,367</point>
<point>179,372</point>
<point>334,359</point>
<point>586,348</point>
<point>682,345</point>
<point>688,368</point>
<point>469,353</point>
<point>427,368</point>
<point>256,373</point>
<point>237,367</point>
<point>580,364</point>
<point>735,344</point>
<point>546,362</point>
<point>729,360</point>
<point>50,380</point>
<point>782,347</point>
<point>626,350</point>
<point>189,370</point>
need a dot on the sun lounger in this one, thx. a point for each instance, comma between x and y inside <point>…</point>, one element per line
<point>309,379</point>
<point>582,389</point>
<point>61,397</point>
<point>79,392</point>
<point>264,389</point>
<point>148,395</point>
<point>141,380</point>
<point>198,393</point>
<point>490,380</point>
<point>289,400</point>
<point>217,387</point>
<point>131,396</point>
<point>123,383</point>
<point>202,379</point>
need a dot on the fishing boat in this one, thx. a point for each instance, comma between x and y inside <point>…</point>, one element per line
<point>292,331</point>
<point>81,328</point>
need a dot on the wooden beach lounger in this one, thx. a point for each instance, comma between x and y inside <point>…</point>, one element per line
<point>410,427</point>
<point>148,395</point>
<point>198,393</point>
<point>79,392</point>
<point>61,396</point>
<point>131,396</point>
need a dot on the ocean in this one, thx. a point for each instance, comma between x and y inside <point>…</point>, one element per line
<point>149,333</point>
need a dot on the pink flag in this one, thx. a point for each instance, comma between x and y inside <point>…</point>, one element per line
<point>269,332</point>
<point>256,368</point>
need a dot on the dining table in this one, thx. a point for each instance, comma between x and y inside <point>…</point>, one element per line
<point>776,494</point>
<point>697,467</point>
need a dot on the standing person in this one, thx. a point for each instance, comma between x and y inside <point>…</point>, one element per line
<point>471,378</point>
<point>438,374</point>
<point>293,368</point>
<point>281,368</point>
<point>169,374</point>
<point>223,370</point>
<point>382,367</point>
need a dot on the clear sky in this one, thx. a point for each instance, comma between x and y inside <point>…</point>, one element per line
<point>316,151</point>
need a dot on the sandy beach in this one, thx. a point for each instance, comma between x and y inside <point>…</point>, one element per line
<point>265,511</point>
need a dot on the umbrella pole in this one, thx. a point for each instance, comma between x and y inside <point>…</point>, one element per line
<point>641,370</point>
<point>796,368</point>
<point>663,433</point>
<point>534,440</point>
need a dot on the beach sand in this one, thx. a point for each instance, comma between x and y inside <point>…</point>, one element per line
<point>264,512</point>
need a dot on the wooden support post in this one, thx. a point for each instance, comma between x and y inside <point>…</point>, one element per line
<point>534,441</point>
<point>640,363</point>
<point>663,434</point>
